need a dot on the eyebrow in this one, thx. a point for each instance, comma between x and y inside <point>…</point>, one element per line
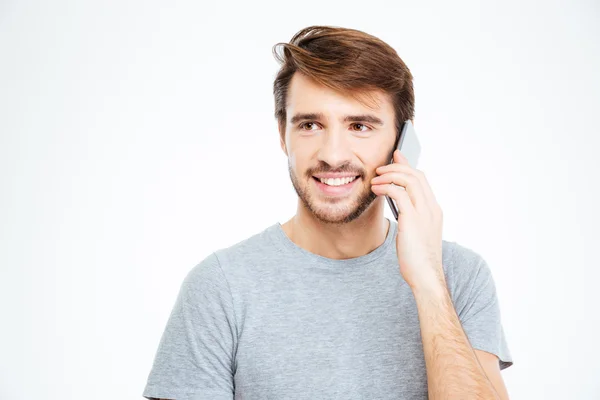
<point>348,118</point>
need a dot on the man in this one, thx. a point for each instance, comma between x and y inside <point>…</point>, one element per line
<point>339,302</point>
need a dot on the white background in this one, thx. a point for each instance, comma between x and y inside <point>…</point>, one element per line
<point>138,136</point>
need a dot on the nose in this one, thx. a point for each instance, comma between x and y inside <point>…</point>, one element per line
<point>335,148</point>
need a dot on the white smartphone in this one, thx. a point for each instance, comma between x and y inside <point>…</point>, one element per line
<point>409,146</point>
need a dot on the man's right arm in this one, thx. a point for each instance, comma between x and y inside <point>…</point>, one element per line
<point>195,355</point>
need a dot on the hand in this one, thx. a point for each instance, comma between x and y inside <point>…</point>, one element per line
<point>419,239</point>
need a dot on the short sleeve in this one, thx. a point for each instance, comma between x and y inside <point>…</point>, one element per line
<point>195,356</point>
<point>477,306</point>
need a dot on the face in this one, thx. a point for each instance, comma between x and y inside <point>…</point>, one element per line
<point>334,144</point>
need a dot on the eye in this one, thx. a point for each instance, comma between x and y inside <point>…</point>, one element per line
<point>361,125</point>
<point>301,126</point>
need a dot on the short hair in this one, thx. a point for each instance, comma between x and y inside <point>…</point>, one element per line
<point>348,61</point>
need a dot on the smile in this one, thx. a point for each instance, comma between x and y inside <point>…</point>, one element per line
<point>336,187</point>
<point>337,181</point>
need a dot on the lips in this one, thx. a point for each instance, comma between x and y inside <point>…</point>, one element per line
<point>337,181</point>
<point>335,191</point>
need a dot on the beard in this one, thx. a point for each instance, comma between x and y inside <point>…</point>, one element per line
<point>332,211</point>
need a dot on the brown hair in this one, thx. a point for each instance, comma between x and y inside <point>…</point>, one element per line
<point>348,61</point>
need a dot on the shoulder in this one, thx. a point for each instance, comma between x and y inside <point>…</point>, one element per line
<point>206,278</point>
<point>230,262</point>
<point>258,247</point>
<point>464,268</point>
<point>460,259</point>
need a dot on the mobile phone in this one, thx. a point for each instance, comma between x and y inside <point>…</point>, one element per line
<point>408,144</point>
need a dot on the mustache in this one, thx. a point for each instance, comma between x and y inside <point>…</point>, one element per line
<point>349,169</point>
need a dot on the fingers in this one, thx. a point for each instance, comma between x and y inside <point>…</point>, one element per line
<point>405,183</point>
<point>398,194</point>
<point>401,165</point>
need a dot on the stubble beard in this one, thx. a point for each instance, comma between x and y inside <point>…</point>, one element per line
<point>329,213</point>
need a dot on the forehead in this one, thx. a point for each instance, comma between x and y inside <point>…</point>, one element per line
<point>306,95</point>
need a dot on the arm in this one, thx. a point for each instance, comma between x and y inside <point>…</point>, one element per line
<point>491,366</point>
<point>454,370</point>
<point>195,355</point>
<point>449,334</point>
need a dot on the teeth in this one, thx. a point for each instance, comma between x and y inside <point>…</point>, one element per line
<point>337,181</point>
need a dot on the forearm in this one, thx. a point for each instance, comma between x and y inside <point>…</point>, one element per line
<point>453,370</point>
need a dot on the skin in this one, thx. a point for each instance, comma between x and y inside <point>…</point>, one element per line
<point>344,227</point>
<point>354,225</point>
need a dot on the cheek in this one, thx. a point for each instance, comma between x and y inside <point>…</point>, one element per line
<point>292,160</point>
<point>299,161</point>
<point>370,164</point>
<point>297,166</point>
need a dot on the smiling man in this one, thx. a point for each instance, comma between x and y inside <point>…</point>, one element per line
<point>339,302</point>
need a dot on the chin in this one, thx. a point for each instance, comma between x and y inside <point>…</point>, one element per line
<point>341,212</point>
<point>329,216</point>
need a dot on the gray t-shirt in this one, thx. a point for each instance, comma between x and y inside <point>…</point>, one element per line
<point>266,319</point>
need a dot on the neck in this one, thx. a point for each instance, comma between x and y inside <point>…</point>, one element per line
<point>338,241</point>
